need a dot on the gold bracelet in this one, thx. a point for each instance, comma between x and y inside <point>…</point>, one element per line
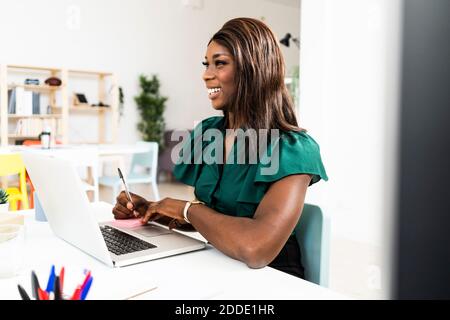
<point>186,208</point>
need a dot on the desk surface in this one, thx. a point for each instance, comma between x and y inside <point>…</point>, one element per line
<point>102,149</point>
<point>205,274</point>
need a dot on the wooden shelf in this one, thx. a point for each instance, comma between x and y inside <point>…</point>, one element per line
<point>34,87</point>
<point>23,67</point>
<point>88,109</point>
<point>18,136</point>
<point>37,116</point>
<point>60,101</point>
<point>93,73</point>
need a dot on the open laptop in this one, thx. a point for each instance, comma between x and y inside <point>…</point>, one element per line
<point>72,218</point>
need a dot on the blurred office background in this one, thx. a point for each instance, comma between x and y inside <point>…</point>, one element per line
<point>349,93</point>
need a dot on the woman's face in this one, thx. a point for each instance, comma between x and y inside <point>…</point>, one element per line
<point>219,75</point>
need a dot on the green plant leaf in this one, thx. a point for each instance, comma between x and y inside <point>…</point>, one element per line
<point>3,196</point>
<point>151,106</point>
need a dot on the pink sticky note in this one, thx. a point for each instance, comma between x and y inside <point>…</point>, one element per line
<point>127,223</point>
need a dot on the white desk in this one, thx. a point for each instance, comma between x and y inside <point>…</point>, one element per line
<point>205,274</point>
<point>120,149</point>
<point>102,149</point>
<point>89,155</point>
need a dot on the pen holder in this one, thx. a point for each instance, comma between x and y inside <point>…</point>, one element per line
<point>55,287</point>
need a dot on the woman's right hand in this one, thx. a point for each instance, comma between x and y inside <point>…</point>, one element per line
<point>124,209</point>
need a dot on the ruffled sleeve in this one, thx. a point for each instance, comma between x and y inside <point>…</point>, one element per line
<point>189,164</point>
<point>297,153</point>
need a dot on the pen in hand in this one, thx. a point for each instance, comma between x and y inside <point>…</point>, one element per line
<point>126,190</point>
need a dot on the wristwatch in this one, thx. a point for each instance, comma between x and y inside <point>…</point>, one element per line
<point>186,208</point>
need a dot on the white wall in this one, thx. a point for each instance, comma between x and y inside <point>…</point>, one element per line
<point>133,37</point>
<point>348,98</point>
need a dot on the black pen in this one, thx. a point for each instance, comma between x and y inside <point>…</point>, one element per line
<point>125,185</point>
<point>34,285</point>
<point>23,293</point>
<point>57,289</point>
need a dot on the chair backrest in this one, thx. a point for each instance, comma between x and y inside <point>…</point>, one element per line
<point>313,236</point>
<point>10,164</point>
<point>147,159</point>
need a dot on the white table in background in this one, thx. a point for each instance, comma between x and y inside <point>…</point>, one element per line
<point>205,274</point>
<point>116,153</point>
<point>104,153</point>
<point>119,149</point>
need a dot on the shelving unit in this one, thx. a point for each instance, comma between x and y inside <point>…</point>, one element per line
<point>58,113</point>
<point>102,96</point>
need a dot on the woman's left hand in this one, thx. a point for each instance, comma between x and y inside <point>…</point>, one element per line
<point>168,207</point>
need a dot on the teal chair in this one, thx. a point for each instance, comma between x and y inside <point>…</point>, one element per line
<point>313,236</point>
<point>146,161</point>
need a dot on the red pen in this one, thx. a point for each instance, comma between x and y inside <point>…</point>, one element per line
<point>43,295</point>
<point>76,294</point>
<point>61,279</point>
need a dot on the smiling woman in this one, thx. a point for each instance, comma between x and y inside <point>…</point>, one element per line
<point>219,75</point>
<point>244,60</point>
<point>240,208</point>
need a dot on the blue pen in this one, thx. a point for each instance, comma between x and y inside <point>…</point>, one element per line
<point>86,289</point>
<point>51,280</point>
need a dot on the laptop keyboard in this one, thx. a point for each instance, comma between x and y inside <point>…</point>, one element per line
<point>119,242</point>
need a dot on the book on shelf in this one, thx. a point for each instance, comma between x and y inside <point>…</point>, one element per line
<point>20,103</point>
<point>24,103</point>
<point>36,103</point>
<point>28,127</point>
<point>27,108</point>
<point>12,101</point>
<point>33,127</point>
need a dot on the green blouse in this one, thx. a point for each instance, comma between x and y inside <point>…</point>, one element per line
<point>237,189</point>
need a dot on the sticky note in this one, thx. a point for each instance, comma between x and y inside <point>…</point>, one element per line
<point>127,223</point>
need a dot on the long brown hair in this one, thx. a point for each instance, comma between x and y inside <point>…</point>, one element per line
<point>261,100</point>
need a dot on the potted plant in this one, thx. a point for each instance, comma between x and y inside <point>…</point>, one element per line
<point>4,205</point>
<point>151,106</point>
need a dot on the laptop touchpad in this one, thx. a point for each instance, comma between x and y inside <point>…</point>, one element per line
<point>151,231</point>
